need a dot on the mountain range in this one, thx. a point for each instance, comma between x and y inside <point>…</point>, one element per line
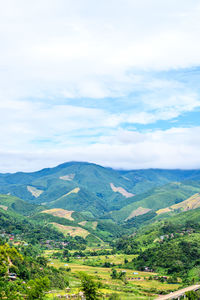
<point>101,200</point>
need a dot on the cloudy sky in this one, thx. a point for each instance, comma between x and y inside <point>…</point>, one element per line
<point>115,82</point>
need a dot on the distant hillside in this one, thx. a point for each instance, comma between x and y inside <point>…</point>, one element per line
<point>14,204</point>
<point>156,199</point>
<point>55,184</point>
<point>190,203</point>
<point>59,212</point>
<point>102,192</point>
<point>169,245</point>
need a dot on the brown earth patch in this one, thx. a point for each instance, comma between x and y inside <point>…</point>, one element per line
<point>72,231</point>
<point>188,204</point>
<point>59,212</point>
<point>4,207</point>
<point>138,212</point>
<point>121,190</point>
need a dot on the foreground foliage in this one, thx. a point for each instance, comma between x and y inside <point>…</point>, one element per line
<point>24,276</point>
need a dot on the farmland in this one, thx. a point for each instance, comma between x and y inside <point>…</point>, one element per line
<point>73,231</point>
<point>134,285</point>
<point>59,212</point>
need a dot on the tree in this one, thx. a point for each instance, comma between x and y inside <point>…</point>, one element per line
<point>114,274</point>
<point>37,288</point>
<point>125,260</point>
<point>192,295</point>
<point>89,287</point>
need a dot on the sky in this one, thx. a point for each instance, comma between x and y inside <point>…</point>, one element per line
<point>112,82</point>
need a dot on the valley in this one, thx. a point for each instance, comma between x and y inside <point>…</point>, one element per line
<point>136,233</point>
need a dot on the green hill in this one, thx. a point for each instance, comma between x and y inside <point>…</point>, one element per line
<point>168,246</point>
<point>151,214</point>
<point>157,198</point>
<point>130,197</point>
<point>13,213</point>
<point>14,204</point>
<point>101,189</point>
<point>50,185</point>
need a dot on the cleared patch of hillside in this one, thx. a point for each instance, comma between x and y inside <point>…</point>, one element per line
<point>138,212</point>
<point>83,223</point>
<point>163,210</point>
<point>190,203</point>
<point>74,191</point>
<point>72,231</point>
<point>68,177</point>
<point>34,191</point>
<point>4,207</point>
<point>59,212</point>
<point>158,198</point>
<point>94,225</point>
<point>121,190</point>
<point>89,225</point>
<point>63,197</point>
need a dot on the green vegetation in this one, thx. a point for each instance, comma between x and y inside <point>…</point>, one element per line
<point>116,226</point>
<point>157,198</point>
<point>175,257</point>
<point>24,276</point>
<point>89,287</point>
<point>17,205</point>
<point>95,193</point>
<point>170,246</point>
<point>28,231</point>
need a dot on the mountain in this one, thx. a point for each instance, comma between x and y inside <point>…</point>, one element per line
<point>101,192</point>
<point>152,215</point>
<point>157,199</point>
<point>92,182</point>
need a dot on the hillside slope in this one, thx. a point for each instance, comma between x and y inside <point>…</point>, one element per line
<point>14,204</point>
<point>102,190</point>
<point>156,199</point>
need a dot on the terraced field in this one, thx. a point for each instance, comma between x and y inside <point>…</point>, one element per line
<point>136,286</point>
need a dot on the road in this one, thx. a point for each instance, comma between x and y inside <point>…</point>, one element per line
<point>179,293</point>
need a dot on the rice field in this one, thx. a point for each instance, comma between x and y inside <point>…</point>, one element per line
<point>136,285</point>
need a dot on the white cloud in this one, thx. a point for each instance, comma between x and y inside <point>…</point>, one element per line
<point>35,128</point>
<point>56,50</point>
<point>173,148</point>
<point>89,46</point>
